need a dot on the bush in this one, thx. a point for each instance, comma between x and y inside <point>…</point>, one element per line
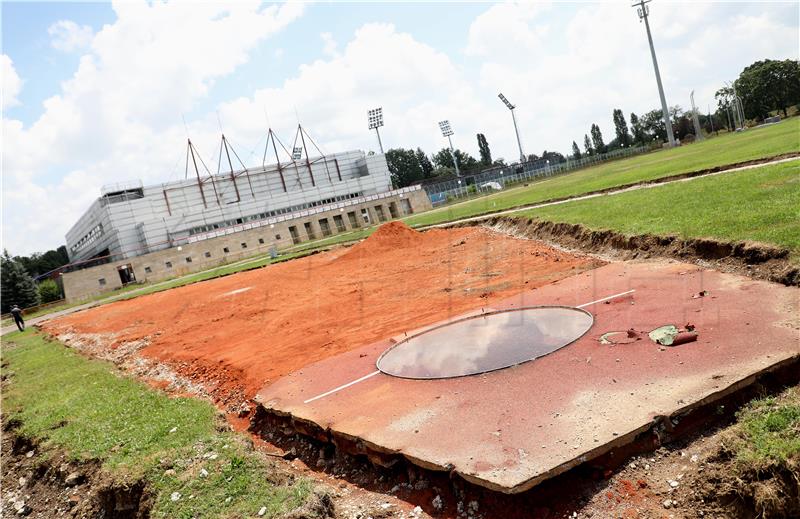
<point>49,291</point>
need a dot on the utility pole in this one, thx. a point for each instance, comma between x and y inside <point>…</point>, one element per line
<point>375,119</point>
<point>698,133</point>
<point>516,130</point>
<point>447,131</point>
<point>711,118</point>
<point>644,11</point>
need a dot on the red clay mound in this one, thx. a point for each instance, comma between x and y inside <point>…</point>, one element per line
<point>393,235</point>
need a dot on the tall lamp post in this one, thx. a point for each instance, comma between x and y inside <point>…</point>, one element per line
<point>644,11</point>
<point>447,131</point>
<point>375,118</point>
<point>513,118</point>
<point>695,119</point>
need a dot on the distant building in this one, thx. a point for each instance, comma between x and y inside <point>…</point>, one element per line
<point>134,232</point>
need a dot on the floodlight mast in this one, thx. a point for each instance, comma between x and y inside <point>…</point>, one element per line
<point>644,11</point>
<point>447,131</point>
<point>695,119</point>
<point>516,130</point>
<point>375,118</point>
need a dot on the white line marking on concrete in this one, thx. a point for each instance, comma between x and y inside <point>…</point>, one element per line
<point>365,377</point>
<point>607,298</point>
<point>332,391</point>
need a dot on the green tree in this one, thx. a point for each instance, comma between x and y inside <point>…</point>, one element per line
<point>484,151</point>
<point>587,145</point>
<point>38,263</point>
<point>639,136</point>
<point>424,163</point>
<point>597,139</point>
<point>621,128</point>
<point>653,125</point>
<point>553,156</point>
<point>404,167</point>
<point>444,159</point>
<point>17,286</point>
<point>769,85</point>
<point>49,291</point>
<point>576,151</point>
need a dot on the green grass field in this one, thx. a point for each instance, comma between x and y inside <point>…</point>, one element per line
<point>767,431</point>
<point>717,151</point>
<point>762,204</point>
<point>87,409</point>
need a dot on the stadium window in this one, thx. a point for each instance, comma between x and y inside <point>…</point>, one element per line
<point>168,264</point>
<point>188,259</point>
<point>244,245</point>
<point>102,281</point>
<point>225,250</point>
<point>207,254</point>
<point>261,241</point>
<point>148,270</point>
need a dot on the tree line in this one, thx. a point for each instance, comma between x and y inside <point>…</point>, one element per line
<point>764,87</point>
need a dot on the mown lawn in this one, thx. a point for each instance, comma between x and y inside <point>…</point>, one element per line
<point>761,204</point>
<point>725,149</point>
<point>89,410</point>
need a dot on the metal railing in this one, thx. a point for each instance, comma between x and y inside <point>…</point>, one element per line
<point>480,184</point>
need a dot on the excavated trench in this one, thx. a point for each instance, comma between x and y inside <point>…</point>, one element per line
<point>754,260</point>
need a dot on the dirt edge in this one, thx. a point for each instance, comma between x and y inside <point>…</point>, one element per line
<point>752,259</point>
<point>47,482</point>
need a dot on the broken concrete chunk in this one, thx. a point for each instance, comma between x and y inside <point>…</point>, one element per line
<point>664,335</point>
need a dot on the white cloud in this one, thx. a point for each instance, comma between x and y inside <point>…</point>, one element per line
<point>598,60</point>
<point>414,83</point>
<point>12,84</point>
<point>68,36</point>
<point>506,29</point>
<point>330,45</point>
<point>119,116</point>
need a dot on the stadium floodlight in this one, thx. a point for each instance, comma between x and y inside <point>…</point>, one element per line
<point>297,153</point>
<point>375,118</point>
<point>644,12</point>
<point>695,119</point>
<point>447,131</point>
<point>516,130</point>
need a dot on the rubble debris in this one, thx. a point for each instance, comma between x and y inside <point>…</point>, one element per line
<point>670,335</point>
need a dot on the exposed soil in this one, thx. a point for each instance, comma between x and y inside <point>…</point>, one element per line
<point>231,342</point>
<point>43,483</point>
<point>755,260</point>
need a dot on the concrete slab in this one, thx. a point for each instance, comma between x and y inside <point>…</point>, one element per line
<point>510,429</point>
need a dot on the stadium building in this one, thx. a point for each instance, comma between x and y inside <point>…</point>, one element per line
<point>136,233</point>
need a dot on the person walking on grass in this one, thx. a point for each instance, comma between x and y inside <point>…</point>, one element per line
<point>17,313</point>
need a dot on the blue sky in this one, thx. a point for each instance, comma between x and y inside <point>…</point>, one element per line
<point>96,93</point>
